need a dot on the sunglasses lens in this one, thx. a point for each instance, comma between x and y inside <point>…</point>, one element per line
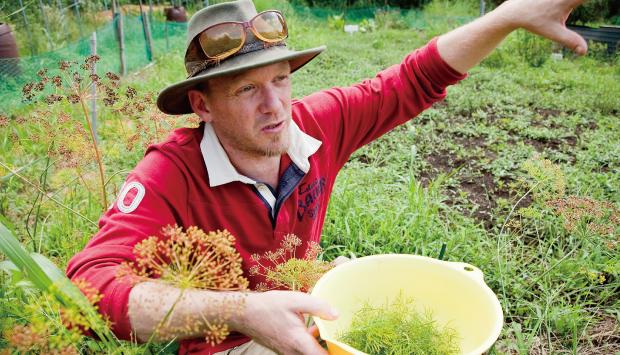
<point>221,39</point>
<point>271,26</point>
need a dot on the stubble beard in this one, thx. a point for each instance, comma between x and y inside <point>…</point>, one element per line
<point>283,148</point>
<point>249,147</point>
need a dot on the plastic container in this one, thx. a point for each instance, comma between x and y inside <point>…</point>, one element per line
<point>455,290</point>
<point>8,45</point>
<point>176,14</point>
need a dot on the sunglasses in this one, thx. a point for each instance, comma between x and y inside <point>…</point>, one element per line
<point>227,38</point>
<point>224,39</point>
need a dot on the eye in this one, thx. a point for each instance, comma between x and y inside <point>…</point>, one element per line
<point>246,88</point>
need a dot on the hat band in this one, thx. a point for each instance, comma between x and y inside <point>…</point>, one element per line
<point>195,68</point>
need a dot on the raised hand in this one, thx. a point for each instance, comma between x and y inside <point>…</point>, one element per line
<point>547,18</point>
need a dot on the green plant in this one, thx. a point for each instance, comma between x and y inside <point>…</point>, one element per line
<point>336,21</point>
<point>398,328</point>
<point>389,19</point>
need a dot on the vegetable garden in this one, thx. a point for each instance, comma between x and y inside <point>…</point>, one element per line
<point>517,170</point>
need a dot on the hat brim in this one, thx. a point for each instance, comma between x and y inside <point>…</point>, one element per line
<point>174,100</point>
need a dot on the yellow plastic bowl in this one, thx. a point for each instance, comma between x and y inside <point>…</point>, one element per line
<point>455,290</point>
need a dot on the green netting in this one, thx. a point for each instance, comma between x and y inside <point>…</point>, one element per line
<point>166,37</point>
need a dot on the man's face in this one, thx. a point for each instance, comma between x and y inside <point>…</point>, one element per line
<point>251,112</point>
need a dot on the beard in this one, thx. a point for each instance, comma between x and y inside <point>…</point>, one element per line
<point>246,145</point>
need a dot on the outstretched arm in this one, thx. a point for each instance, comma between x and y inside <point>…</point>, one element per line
<point>467,46</point>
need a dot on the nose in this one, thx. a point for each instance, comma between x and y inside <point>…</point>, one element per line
<point>270,102</point>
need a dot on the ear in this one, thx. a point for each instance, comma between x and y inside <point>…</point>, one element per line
<point>199,104</point>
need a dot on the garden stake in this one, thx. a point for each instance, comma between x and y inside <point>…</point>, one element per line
<point>64,23</point>
<point>47,26</point>
<point>27,27</point>
<point>443,251</point>
<point>77,11</point>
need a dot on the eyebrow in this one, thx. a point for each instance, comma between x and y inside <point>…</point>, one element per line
<point>241,76</point>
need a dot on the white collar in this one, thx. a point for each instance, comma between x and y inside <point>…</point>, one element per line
<point>221,171</point>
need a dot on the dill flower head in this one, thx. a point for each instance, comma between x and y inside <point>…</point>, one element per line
<point>586,216</point>
<point>282,269</point>
<point>190,259</point>
<point>545,179</point>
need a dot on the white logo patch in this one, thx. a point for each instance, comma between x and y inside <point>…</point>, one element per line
<point>136,201</point>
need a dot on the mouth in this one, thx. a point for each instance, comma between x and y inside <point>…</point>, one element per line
<point>273,128</point>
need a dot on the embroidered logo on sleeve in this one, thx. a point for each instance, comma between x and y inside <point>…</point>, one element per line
<point>137,198</point>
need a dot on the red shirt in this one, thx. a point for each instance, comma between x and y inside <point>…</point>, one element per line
<point>171,184</point>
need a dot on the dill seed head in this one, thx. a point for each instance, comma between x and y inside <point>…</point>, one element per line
<point>35,137</point>
<point>112,76</point>
<point>131,92</point>
<point>28,87</point>
<point>41,72</point>
<point>63,118</point>
<point>73,98</point>
<point>53,98</point>
<point>202,261</point>
<point>92,59</point>
<point>13,137</point>
<point>56,81</point>
<point>110,101</point>
<point>283,270</point>
<point>77,77</point>
<point>86,66</point>
<point>94,77</point>
<point>40,86</point>
<point>20,120</point>
<point>65,65</point>
<point>4,120</point>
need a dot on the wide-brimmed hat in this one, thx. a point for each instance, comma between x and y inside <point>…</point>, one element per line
<point>174,99</point>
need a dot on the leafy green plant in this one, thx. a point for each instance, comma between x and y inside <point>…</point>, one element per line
<point>398,328</point>
<point>389,19</point>
<point>336,21</point>
<point>46,276</point>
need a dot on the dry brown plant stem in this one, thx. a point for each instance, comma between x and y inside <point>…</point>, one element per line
<point>92,136</point>
<point>46,195</point>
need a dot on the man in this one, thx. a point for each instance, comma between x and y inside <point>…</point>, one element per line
<point>262,165</point>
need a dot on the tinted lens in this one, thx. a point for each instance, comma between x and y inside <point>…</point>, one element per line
<point>270,26</point>
<point>221,39</point>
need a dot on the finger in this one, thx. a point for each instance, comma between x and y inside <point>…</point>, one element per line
<point>316,306</point>
<point>314,331</point>
<point>569,39</point>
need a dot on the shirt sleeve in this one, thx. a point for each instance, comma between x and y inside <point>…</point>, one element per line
<point>154,196</point>
<point>356,115</point>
